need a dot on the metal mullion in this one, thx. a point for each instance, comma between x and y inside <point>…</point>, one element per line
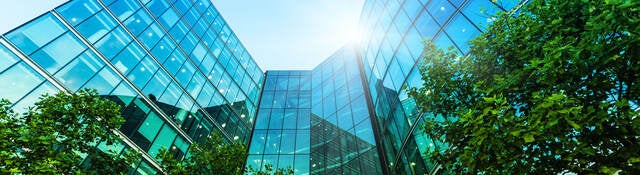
<point>225,45</point>
<point>26,59</point>
<point>143,7</point>
<point>109,64</point>
<point>197,67</point>
<point>61,87</point>
<point>160,66</point>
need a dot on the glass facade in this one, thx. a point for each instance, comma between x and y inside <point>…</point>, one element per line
<point>175,67</point>
<point>180,73</point>
<point>316,121</point>
<point>390,52</point>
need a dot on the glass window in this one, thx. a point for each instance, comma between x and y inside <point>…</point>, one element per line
<point>272,145</point>
<point>37,33</point>
<point>441,10</point>
<point>288,142</point>
<point>111,44</point>
<point>462,31</point>
<point>285,161</point>
<point>29,100</point>
<point>303,142</point>
<point>304,117</point>
<point>258,141</point>
<point>97,26</point>
<point>143,72</point>
<point>150,126</point>
<point>289,121</point>
<point>157,7</point>
<point>169,18</point>
<point>55,55</point>
<point>76,11</point>
<point>124,8</point>
<point>79,71</point>
<point>277,116</point>
<point>157,85</point>
<point>302,164</point>
<point>162,50</point>
<point>20,79</point>
<point>164,140</point>
<point>127,59</point>
<point>138,22</point>
<point>7,58</point>
<point>151,36</point>
<point>480,12</point>
<point>104,82</point>
<point>262,120</point>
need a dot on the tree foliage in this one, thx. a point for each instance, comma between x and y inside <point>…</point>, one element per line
<point>552,89</point>
<point>213,156</point>
<point>52,136</point>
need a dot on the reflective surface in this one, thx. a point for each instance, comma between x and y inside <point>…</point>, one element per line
<point>390,50</point>
<point>176,69</point>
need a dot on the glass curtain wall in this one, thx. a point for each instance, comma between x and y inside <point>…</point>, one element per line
<point>390,50</point>
<point>175,67</point>
<point>281,136</point>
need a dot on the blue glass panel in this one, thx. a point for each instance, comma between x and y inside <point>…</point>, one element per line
<point>76,11</point>
<point>127,59</point>
<point>162,50</point>
<point>150,37</point>
<point>21,79</point>
<point>272,145</point>
<point>303,142</point>
<point>277,116</point>
<point>143,72</point>
<point>164,140</point>
<point>105,81</point>
<point>288,142</point>
<point>58,53</point>
<point>480,12</point>
<point>111,44</point>
<point>138,22</point>
<point>441,10</point>
<point>169,18</point>
<point>301,165</point>
<point>6,58</point>
<point>79,71</point>
<point>258,142</point>
<point>36,33</point>
<point>462,31</point>
<point>150,126</point>
<point>157,7</point>
<point>124,8</point>
<point>97,26</point>
<point>426,26</point>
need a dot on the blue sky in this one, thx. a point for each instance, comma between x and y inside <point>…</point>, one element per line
<point>291,34</point>
<point>279,34</point>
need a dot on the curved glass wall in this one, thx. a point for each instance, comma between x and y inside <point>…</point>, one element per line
<point>175,67</point>
<point>390,50</point>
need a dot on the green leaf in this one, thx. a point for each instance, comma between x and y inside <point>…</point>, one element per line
<point>572,123</point>
<point>528,138</point>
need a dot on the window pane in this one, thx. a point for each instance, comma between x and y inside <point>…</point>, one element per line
<point>76,11</point>
<point>21,79</point>
<point>36,33</point>
<point>76,73</point>
<point>58,53</point>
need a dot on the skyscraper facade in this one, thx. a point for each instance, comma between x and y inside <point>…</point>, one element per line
<point>390,52</point>
<point>175,67</point>
<point>180,73</point>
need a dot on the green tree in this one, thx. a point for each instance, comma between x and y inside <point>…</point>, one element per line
<point>552,89</point>
<point>52,136</point>
<point>213,156</point>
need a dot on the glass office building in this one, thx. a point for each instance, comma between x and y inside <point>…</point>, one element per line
<point>180,73</point>
<point>390,52</point>
<point>175,67</point>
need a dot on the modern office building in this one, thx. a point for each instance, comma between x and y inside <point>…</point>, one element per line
<point>180,73</point>
<point>175,67</point>
<point>390,52</point>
